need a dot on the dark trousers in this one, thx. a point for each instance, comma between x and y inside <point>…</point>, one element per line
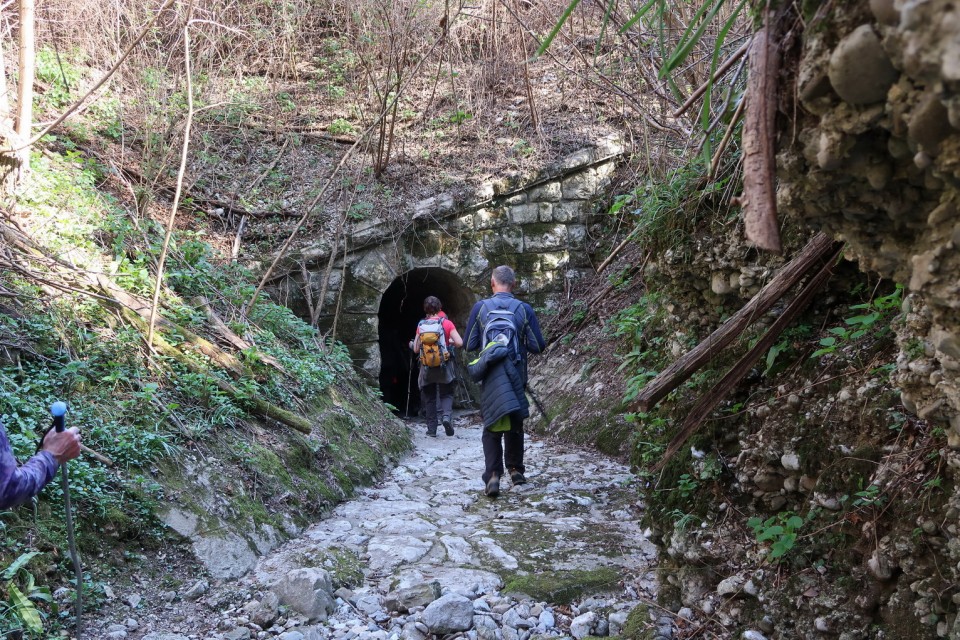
<point>437,399</point>
<point>503,448</point>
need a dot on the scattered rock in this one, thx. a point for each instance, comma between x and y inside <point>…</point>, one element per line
<point>583,625</point>
<point>307,591</point>
<point>402,600</point>
<point>264,612</point>
<point>198,589</point>
<point>448,614</point>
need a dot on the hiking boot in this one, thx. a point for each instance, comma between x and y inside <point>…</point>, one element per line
<point>516,477</point>
<point>432,432</point>
<point>447,425</point>
<point>493,487</point>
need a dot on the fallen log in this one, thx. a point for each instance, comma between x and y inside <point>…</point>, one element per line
<point>256,405</point>
<point>142,308</point>
<point>712,398</point>
<point>229,336</point>
<point>673,376</point>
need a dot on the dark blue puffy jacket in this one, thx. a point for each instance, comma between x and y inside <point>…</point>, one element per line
<point>501,384</point>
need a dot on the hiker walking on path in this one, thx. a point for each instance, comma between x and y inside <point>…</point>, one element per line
<point>19,483</point>
<point>435,335</point>
<point>504,330</point>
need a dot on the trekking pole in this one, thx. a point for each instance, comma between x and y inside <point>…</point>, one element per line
<point>58,410</point>
<point>406,411</point>
<point>539,405</point>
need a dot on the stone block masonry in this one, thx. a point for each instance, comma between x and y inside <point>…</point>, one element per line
<point>537,225</point>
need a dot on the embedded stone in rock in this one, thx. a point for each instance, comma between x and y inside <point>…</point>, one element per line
<point>885,12</point>
<point>308,591</point>
<point>402,600</point>
<point>947,343</point>
<point>720,283</point>
<point>790,461</point>
<point>388,552</point>
<point>459,550</point>
<point>227,557</point>
<point>860,70</point>
<point>448,614</point>
<point>455,579</point>
<point>879,566</point>
<point>929,124</point>
<point>730,586</point>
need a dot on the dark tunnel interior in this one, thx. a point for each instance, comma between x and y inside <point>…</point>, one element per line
<point>401,308</point>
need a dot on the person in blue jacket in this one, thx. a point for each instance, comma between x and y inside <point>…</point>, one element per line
<point>504,448</point>
<point>19,483</point>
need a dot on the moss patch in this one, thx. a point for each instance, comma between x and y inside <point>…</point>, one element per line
<point>563,587</point>
<point>638,626</point>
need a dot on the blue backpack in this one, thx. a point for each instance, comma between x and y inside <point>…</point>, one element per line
<point>501,322</point>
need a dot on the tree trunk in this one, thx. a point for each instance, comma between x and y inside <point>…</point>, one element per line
<point>8,164</point>
<point>28,58</point>
<point>759,134</point>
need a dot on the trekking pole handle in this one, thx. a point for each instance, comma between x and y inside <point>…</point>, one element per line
<point>58,410</point>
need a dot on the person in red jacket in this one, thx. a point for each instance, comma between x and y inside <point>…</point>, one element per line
<point>436,383</point>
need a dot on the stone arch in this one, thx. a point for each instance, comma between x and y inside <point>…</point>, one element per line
<point>401,307</point>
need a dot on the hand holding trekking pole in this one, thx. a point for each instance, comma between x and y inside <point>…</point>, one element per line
<point>67,443</point>
<point>63,444</point>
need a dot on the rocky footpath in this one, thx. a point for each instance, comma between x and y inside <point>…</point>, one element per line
<point>425,553</point>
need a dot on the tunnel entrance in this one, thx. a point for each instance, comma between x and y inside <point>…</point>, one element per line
<point>401,308</point>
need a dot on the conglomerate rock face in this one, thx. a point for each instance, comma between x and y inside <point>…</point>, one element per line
<point>874,158</point>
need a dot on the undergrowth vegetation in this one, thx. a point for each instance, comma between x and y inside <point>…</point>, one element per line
<point>62,339</point>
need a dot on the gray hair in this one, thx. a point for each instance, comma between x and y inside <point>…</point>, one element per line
<point>504,276</point>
